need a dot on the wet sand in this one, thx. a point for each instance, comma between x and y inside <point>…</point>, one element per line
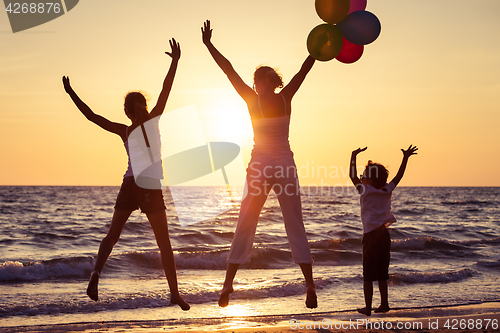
<point>483,317</point>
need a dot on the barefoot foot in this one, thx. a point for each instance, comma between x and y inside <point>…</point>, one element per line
<point>224,296</point>
<point>365,311</point>
<point>311,298</point>
<point>382,309</point>
<point>178,300</point>
<point>92,290</point>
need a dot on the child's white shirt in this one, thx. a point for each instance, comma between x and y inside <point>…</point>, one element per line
<point>376,206</point>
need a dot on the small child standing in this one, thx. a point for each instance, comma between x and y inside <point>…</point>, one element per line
<point>376,216</point>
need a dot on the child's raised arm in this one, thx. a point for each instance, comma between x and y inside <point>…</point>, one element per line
<point>241,87</point>
<point>102,122</point>
<point>175,54</point>
<point>406,154</point>
<point>353,171</point>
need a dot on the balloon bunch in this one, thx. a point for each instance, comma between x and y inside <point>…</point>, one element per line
<point>347,29</point>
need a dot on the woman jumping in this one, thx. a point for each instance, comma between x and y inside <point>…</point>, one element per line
<point>271,166</point>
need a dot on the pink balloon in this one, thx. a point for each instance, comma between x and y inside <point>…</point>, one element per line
<point>350,52</point>
<point>357,5</point>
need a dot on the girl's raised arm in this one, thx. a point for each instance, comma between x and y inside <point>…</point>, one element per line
<point>175,54</point>
<point>241,87</point>
<point>104,123</point>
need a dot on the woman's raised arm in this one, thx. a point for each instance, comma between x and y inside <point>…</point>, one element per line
<point>291,88</point>
<point>241,87</point>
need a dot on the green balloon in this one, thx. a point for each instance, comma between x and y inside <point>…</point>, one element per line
<point>324,42</point>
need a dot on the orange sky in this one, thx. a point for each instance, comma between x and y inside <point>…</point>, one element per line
<point>431,79</point>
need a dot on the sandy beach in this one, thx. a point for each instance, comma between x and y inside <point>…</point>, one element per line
<point>483,317</point>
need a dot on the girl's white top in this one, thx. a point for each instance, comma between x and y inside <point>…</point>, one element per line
<point>144,161</point>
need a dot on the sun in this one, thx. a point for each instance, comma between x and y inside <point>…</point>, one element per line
<point>228,120</point>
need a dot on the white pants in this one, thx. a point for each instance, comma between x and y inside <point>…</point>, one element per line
<point>263,174</point>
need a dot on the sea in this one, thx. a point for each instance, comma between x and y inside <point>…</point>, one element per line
<point>445,252</point>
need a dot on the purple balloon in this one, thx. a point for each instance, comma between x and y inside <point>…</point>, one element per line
<point>360,27</point>
<point>357,5</point>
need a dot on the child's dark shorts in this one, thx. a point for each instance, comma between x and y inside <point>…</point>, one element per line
<point>132,197</point>
<point>376,255</point>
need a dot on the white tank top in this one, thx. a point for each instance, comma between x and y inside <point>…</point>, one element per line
<point>143,148</point>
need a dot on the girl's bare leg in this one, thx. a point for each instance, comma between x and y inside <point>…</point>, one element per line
<point>114,232</point>
<point>158,222</point>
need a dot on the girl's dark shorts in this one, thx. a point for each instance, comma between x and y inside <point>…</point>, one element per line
<point>376,255</point>
<point>132,197</point>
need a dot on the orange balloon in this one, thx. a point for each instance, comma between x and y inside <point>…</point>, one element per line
<point>332,11</point>
<point>324,42</point>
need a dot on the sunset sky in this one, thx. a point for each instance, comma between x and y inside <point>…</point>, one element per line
<point>431,79</point>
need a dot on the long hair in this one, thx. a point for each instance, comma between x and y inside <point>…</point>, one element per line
<point>269,74</point>
<point>136,107</point>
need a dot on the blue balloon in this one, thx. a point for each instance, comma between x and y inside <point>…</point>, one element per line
<point>360,27</point>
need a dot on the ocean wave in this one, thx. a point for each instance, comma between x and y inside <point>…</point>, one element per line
<point>49,237</point>
<point>430,243</point>
<point>491,241</point>
<point>336,243</point>
<point>148,260</point>
<point>332,202</point>
<point>469,202</point>
<point>205,237</point>
<point>16,271</point>
<point>140,300</point>
<point>406,244</point>
<point>264,256</point>
<point>202,259</point>
<point>414,244</point>
<point>490,264</point>
<point>436,277</point>
<point>261,258</point>
<point>417,211</point>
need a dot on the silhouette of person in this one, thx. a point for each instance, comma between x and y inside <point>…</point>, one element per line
<point>131,196</point>
<point>376,216</point>
<point>271,167</point>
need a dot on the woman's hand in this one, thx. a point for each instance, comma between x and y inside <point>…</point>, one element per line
<point>66,84</point>
<point>176,49</point>
<point>206,33</point>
